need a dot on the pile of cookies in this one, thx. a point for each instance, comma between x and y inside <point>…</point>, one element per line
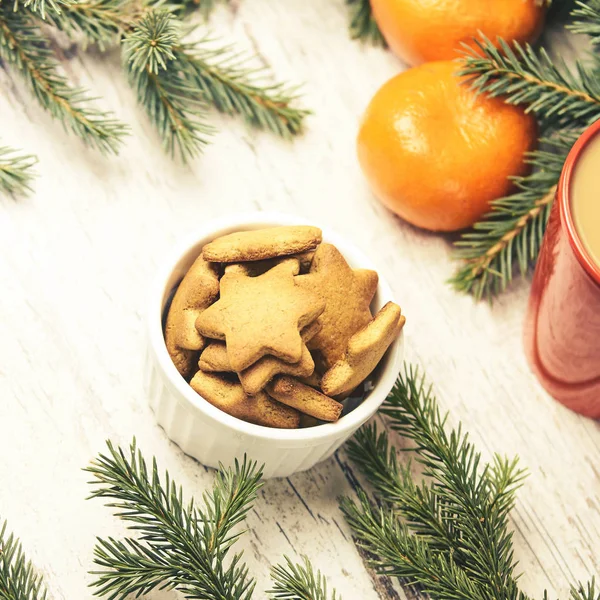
<point>273,326</point>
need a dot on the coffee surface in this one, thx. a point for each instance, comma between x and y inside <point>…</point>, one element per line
<point>585,198</point>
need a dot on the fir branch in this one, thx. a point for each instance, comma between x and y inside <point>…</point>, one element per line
<point>18,579</point>
<point>522,76</point>
<point>393,551</point>
<point>129,567</point>
<point>362,23</point>
<point>16,171</point>
<point>458,522</point>
<point>23,46</point>
<point>586,20</point>
<point>471,489</point>
<point>426,513</point>
<point>299,582</point>
<point>228,80</point>
<point>155,72</point>
<point>180,545</point>
<point>511,233</point>
<point>100,22</point>
<point>585,593</point>
<point>176,81</point>
<point>43,8</point>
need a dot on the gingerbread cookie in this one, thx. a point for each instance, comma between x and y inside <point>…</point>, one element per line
<point>307,400</point>
<point>261,315</point>
<point>230,398</point>
<point>347,295</point>
<point>256,376</point>
<point>313,380</point>
<point>262,243</point>
<point>197,290</point>
<point>258,267</point>
<point>365,349</point>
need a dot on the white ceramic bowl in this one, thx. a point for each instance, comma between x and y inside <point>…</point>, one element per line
<point>212,436</point>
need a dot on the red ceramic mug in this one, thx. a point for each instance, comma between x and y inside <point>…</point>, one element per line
<point>562,329</point>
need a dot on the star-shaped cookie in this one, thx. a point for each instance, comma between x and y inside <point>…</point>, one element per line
<point>365,349</point>
<point>261,315</point>
<point>347,294</point>
<point>256,376</point>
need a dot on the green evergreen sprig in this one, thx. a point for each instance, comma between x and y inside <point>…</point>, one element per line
<point>18,579</point>
<point>362,23</point>
<point>41,7</point>
<point>299,582</point>
<point>446,536</point>
<point>157,75</point>
<point>184,78</point>
<point>587,592</point>
<point>231,82</point>
<point>16,171</point>
<point>175,80</point>
<point>23,46</point>
<point>455,532</point>
<point>179,544</point>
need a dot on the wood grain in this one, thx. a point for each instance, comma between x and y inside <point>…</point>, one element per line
<point>77,260</point>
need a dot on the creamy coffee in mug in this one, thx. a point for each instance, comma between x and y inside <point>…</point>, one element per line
<point>585,198</point>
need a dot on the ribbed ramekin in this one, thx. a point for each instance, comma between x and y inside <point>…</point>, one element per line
<point>212,436</point>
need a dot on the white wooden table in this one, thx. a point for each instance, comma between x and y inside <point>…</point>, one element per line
<point>76,260</point>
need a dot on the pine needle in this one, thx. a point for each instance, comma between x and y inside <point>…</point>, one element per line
<point>510,236</point>
<point>362,23</point>
<point>16,171</point>
<point>18,579</point>
<point>181,545</point>
<point>299,582</point>
<point>228,80</point>
<point>23,46</point>
<point>586,20</point>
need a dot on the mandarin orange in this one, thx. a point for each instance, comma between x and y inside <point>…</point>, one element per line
<point>423,30</point>
<point>436,153</point>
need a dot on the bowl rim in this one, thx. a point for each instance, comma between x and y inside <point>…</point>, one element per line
<point>321,433</point>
